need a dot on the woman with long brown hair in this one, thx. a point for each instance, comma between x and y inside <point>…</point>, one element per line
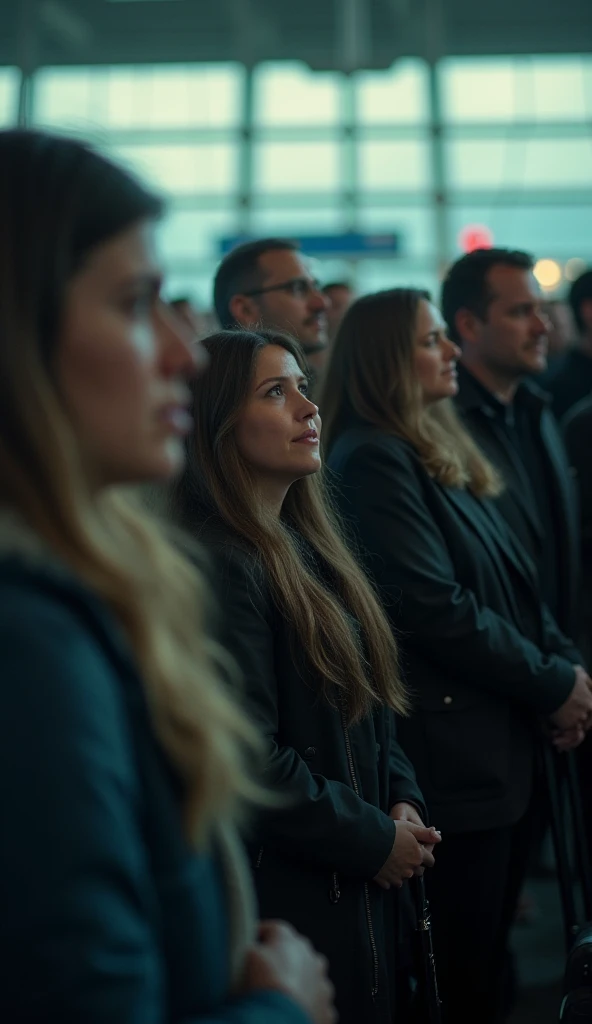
<point>319,663</point>
<point>125,896</point>
<point>483,659</point>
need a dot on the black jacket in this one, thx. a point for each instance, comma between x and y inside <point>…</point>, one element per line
<point>518,499</point>
<point>577,430</point>
<point>571,382</point>
<point>463,599</point>
<point>314,860</point>
<point>108,917</point>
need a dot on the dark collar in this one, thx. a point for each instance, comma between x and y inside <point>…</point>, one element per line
<point>472,394</point>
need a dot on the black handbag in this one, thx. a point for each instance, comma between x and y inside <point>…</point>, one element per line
<point>565,806</point>
<point>427,1009</point>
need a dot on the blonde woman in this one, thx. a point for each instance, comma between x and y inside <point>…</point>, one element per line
<point>320,668</point>
<point>484,661</point>
<point>122,761</point>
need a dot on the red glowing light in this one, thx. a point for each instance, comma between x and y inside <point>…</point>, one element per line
<point>475,236</point>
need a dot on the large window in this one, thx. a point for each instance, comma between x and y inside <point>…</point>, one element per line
<point>9,83</point>
<point>285,150</point>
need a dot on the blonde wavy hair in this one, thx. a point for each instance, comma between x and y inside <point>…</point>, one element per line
<point>356,668</point>
<point>58,201</point>
<point>371,377</point>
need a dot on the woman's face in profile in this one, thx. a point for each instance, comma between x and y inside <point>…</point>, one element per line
<point>435,355</point>
<point>123,361</point>
<point>279,427</point>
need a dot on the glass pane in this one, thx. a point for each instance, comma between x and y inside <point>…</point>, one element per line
<point>394,165</point>
<point>514,89</point>
<point>9,86</point>
<point>399,95</point>
<point>184,169</point>
<point>194,234</point>
<point>517,163</point>
<point>140,97</point>
<point>296,166</point>
<point>204,96</point>
<point>414,224</point>
<point>373,275</point>
<point>293,221</point>
<point>68,97</point>
<point>196,284</point>
<point>290,93</point>
<point>561,232</point>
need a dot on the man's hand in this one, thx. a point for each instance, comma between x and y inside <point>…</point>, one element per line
<point>576,713</point>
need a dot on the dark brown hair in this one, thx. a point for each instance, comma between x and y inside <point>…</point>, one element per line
<point>357,671</point>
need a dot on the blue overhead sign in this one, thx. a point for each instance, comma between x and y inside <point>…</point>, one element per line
<point>352,245</point>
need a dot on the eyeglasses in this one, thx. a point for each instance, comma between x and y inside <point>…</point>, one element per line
<point>297,287</point>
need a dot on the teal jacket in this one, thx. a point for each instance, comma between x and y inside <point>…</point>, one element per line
<point>107,916</point>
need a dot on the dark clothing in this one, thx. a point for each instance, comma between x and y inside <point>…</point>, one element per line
<point>577,430</point>
<point>463,906</point>
<point>539,501</point>
<point>314,861</point>
<point>108,916</point>
<point>464,600</point>
<point>461,591</point>
<point>571,382</point>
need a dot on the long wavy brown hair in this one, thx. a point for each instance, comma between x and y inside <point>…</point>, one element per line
<point>356,668</point>
<point>59,200</point>
<point>371,377</point>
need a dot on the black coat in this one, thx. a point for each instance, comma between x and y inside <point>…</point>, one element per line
<point>314,861</point>
<point>577,431</point>
<point>518,500</point>
<point>463,599</point>
<point>571,382</point>
<point>108,916</point>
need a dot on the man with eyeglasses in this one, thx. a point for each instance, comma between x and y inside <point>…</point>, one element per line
<point>267,283</point>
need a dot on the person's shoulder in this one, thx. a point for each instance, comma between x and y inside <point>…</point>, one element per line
<point>62,657</point>
<point>235,566</point>
<point>579,417</point>
<point>369,446</point>
<point>225,546</point>
<point>42,595</point>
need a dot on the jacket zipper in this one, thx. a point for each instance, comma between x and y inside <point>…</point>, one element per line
<point>352,772</point>
<point>259,858</point>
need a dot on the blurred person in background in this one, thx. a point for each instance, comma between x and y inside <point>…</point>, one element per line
<point>189,314</point>
<point>123,761</point>
<point>319,664</point>
<point>561,333</point>
<point>268,283</point>
<point>492,306</point>
<point>573,380</point>
<point>484,661</point>
<point>340,295</point>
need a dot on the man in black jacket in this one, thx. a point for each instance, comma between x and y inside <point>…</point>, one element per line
<point>491,303</point>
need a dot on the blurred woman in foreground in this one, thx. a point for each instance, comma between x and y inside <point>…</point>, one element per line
<point>122,761</point>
